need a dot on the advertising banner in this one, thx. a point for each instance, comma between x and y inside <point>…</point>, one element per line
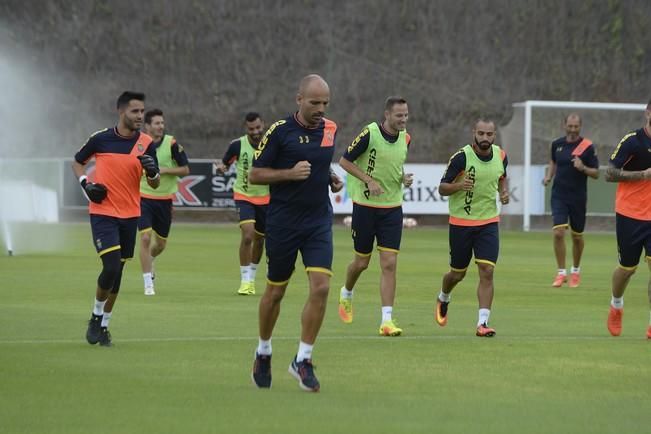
<point>205,188</point>
<point>202,188</point>
<point>423,197</point>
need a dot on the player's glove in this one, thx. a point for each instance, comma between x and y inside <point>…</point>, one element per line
<point>95,192</point>
<point>150,166</point>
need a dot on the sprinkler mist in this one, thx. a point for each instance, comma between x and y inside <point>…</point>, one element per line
<point>6,234</point>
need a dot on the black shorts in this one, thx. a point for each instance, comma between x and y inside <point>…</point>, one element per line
<point>632,236</point>
<point>483,241</point>
<point>564,210</point>
<point>383,224</point>
<point>156,215</point>
<point>283,245</point>
<point>113,233</point>
<point>251,213</point>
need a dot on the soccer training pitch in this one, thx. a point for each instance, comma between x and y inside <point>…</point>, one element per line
<point>181,360</point>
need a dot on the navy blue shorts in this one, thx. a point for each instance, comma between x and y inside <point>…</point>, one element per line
<point>283,245</point>
<point>483,241</point>
<point>632,236</point>
<point>112,233</point>
<point>369,224</point>
<point>564,210</point>
<point>251,213</point>
<point>155,214</point>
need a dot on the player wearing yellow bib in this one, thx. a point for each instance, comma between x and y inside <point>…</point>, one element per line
<point>472,180</point>
<point>375,162</point>
<point>156,204</point>
<point>251,200</point>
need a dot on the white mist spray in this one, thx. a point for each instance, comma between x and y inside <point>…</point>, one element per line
<point>29,183</point>
<point>6,236</point>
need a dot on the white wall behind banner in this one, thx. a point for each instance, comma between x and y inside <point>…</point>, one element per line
<point>423,197</point>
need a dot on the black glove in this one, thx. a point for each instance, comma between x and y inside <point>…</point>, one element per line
<point>149,164</point>
<point>94,192</point>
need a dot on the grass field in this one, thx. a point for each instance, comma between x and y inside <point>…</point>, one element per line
<point>181,360</point>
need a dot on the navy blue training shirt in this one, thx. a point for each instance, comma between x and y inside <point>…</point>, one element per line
<point>569,183</point>
<point>232,153</point>
<point>298,204</point>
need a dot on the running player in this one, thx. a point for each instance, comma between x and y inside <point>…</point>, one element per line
<point>156,204</point>
<point>121,154</point>
<point>630,166</point>
<point>375,162</point>
<point>251,200</point>
<point>573,159</point>
<point>294,157</point>
<point>474,177</point>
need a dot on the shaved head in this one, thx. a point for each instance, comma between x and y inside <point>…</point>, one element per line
<point>313,98</point>
<point>312,81</point>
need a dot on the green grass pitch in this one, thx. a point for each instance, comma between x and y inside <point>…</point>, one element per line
<point>181,360</point>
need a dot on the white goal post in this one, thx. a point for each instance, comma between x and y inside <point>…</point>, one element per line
<point>528,106</point>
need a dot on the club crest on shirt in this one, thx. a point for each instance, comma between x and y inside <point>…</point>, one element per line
<point>559,149</point>
<point>98,243</point>
<point>140,147</point>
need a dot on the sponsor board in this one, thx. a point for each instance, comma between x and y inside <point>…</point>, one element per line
<point>423,196</point>
<point>202,188</point>
<point>205,188</point>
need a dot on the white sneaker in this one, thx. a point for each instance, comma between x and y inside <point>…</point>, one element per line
<point>149,290</point>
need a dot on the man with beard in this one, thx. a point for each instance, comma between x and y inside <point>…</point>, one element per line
<point>251,200</point>
<point>375,162</point>
<point>474,176</point>
<point>121,154</point>
<point>630,167</point>
<point>156,204</point>
<point>294,158</point>
<point>573,159</point>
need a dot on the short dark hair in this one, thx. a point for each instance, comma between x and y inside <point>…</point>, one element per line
<point>151,113</point>
<point>126,96</point>
<point>251,116</point>
<point>484,119</point>
<point>393,100</point>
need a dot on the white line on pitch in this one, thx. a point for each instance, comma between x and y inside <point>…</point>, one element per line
<point>323,338</point>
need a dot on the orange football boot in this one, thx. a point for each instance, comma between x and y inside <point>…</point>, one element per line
<point>441,312</point>
<point>615,321</point>
<point>484,331</point>
<point>575,279</point>
<point>559,280</point>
